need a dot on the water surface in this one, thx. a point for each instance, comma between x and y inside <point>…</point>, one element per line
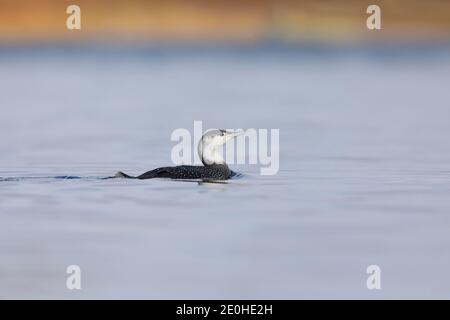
<point>364,175</point>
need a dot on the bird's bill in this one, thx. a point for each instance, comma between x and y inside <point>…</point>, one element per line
<point>233,134</point>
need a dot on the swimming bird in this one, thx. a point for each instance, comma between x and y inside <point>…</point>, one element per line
<point>214,166</point>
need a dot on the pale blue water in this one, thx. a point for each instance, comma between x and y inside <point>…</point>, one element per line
<point>364,175</point>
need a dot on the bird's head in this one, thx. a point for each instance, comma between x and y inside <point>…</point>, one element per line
<point>211,141</point>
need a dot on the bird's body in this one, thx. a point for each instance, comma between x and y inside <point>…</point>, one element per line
<point>214,167</point>
<point>213,172</point>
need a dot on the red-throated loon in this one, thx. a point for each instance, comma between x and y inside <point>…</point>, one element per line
<point>214,166</point>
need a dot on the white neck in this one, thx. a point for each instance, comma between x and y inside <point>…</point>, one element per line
<point>209,153</point>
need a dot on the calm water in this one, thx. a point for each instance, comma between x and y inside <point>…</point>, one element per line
<point>364,176</point>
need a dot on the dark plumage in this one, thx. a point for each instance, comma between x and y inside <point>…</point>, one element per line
<point>214,172</point>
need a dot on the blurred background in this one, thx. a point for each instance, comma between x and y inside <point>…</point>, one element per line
<point>233,21</point>
<point>364,122</point>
